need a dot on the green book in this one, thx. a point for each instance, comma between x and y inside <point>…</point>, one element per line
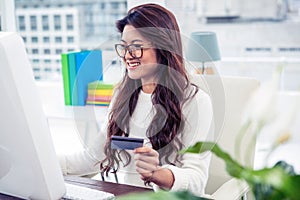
<point>100,85</point>
<point>72,76</point>
<point>66,78</point>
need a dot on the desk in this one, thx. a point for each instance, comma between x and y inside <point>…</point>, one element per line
<point>114,188</point>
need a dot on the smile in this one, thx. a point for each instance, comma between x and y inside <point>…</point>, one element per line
<point>133,65</point>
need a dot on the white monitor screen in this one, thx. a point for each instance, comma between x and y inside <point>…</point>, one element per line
<point>28,164</point>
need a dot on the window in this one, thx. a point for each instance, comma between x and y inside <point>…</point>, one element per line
<point>21,21</point>
<point>53,27</point>
<point>102,6</point>
<point>69,19</point>
<point>114,5</point>
<point>34,39</point>
<point>35,51</point>
<point>47,51</point>
<point>45,22</point>
<point>70,39</point>
<point>58,51</point>
<point>36,69</point>
<point>46,39</point>
<point>24,39</point>
<point>58,39</point>
<point>47,69</point>
<point>47,61</point>
<point>33,23</point>
<point>57,22</point>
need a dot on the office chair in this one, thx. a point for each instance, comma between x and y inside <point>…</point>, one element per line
<point>229,96</point>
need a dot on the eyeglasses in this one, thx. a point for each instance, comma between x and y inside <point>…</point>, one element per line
<point>135,50</point>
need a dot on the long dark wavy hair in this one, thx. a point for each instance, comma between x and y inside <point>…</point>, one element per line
<point>159,26</point>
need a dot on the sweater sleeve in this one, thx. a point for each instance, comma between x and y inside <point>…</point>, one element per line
<point>192,173</point>
<point>86,161</point>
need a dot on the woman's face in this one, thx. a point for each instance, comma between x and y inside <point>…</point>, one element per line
<point>143,68</point>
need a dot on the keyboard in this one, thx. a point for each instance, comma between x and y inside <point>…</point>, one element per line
<point>76,192</point>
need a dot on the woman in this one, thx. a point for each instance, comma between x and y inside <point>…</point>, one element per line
<point>156,101</point>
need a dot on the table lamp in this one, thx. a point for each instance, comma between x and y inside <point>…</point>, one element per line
<point>203,47</point>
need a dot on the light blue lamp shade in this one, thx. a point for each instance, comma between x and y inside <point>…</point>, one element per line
<point>203,47</point>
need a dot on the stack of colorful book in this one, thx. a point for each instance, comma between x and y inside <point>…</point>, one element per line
<point>78,70</point>
<point>99,93</point>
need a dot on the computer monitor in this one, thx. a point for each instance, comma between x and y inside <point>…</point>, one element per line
<point>28,164</point>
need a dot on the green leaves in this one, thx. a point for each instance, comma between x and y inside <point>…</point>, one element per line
<point>278,182</point>
<point>233,168</point>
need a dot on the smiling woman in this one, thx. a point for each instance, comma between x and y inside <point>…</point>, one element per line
<point>140,60</point>
<point>155,101</point>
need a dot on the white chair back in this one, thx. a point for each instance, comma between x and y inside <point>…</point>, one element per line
<point>229,96</point>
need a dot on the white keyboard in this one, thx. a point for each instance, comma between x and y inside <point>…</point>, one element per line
<point>77,192</point>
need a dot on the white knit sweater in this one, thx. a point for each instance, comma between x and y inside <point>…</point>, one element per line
<point>190,174</point>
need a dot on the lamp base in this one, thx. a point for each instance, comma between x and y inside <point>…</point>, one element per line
<point>207,70</point>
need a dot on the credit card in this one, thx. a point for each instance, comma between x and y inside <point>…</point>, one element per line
<point>120,142</point>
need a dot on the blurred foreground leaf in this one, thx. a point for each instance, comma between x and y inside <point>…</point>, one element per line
<point>278,182</point>
<point>161,195</point>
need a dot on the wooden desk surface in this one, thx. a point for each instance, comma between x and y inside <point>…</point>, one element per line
<point>114,188</point>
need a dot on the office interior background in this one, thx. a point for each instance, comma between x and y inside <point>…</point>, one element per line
<point>254,38</point>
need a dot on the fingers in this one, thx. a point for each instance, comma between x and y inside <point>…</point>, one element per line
<point>146,156</point>
<point>143,150</point>
<point>143,172</point>
<point>146,161</point>
<point>149,164</point>
<point>146,151</point>
<point>149,158</point>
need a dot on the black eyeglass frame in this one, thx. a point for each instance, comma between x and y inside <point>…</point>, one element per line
<point>126,48</point>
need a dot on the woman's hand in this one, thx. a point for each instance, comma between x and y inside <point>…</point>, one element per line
<point>147,165</point>
<point>146,162</point>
